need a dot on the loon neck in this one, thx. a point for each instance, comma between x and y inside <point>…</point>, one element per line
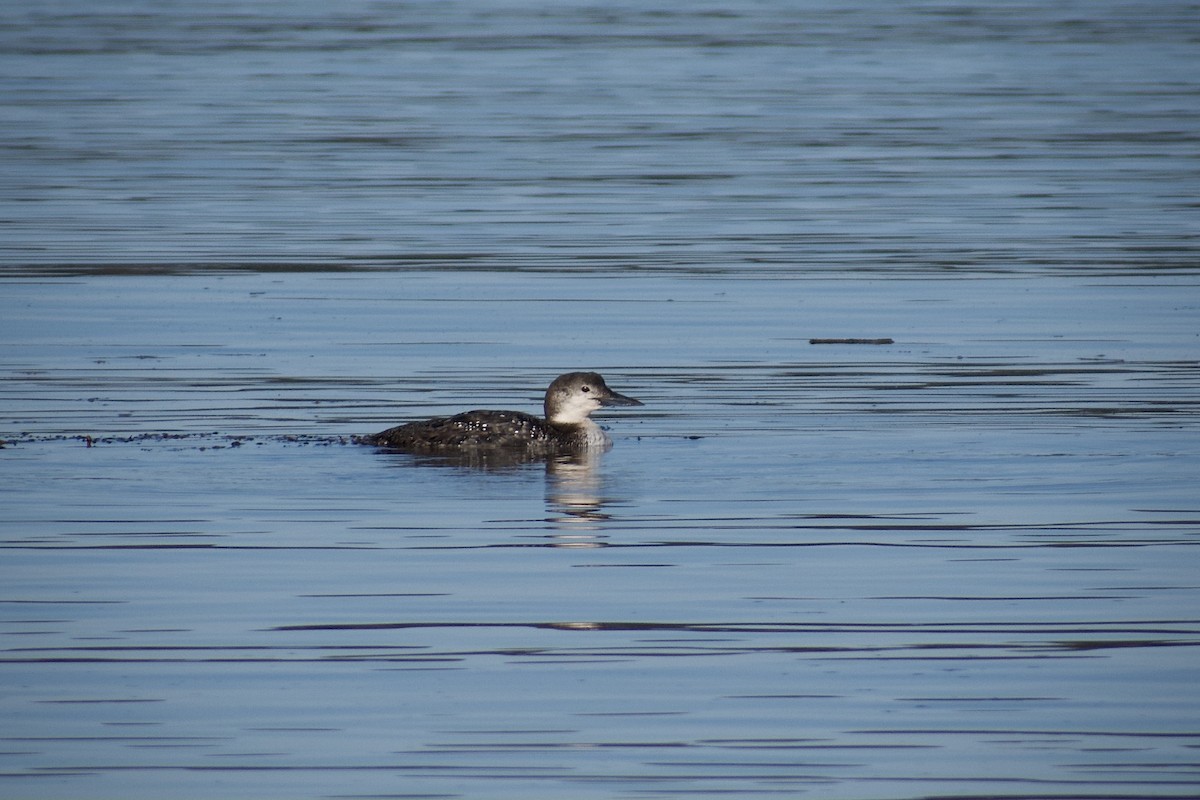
<point>584,432</point>
<point>592,434</point>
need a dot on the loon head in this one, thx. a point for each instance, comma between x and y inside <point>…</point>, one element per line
<point>572,397</point>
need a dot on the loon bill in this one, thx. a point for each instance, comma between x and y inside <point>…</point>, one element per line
<point>566,426</point>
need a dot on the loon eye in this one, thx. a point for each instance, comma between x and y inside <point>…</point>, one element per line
<point>586,389</point>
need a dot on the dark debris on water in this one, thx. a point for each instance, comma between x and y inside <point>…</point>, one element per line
<point>205,441</point>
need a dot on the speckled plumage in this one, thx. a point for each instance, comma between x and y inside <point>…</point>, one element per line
<point>566,427</point>
<point>480,428</point>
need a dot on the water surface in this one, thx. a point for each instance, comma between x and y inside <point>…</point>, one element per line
<point>962,564</point>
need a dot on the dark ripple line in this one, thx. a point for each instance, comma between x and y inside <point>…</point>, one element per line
<point>1024,732</point>
<point>1189,627</point>
<point>1080,544</point>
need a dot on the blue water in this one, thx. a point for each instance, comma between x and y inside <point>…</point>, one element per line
<point>963,564</point>
<point>805,135</point>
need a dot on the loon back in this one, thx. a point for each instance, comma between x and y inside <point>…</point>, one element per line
<point>480,428</point>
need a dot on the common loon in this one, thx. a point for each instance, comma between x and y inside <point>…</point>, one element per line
<point>565,428</point>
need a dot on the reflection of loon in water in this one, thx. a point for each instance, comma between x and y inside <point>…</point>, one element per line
<point>566,427</point>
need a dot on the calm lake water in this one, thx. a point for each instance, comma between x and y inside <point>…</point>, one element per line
<point>962,564</point>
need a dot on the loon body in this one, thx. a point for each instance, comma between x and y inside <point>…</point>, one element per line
<point>566,426</point>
